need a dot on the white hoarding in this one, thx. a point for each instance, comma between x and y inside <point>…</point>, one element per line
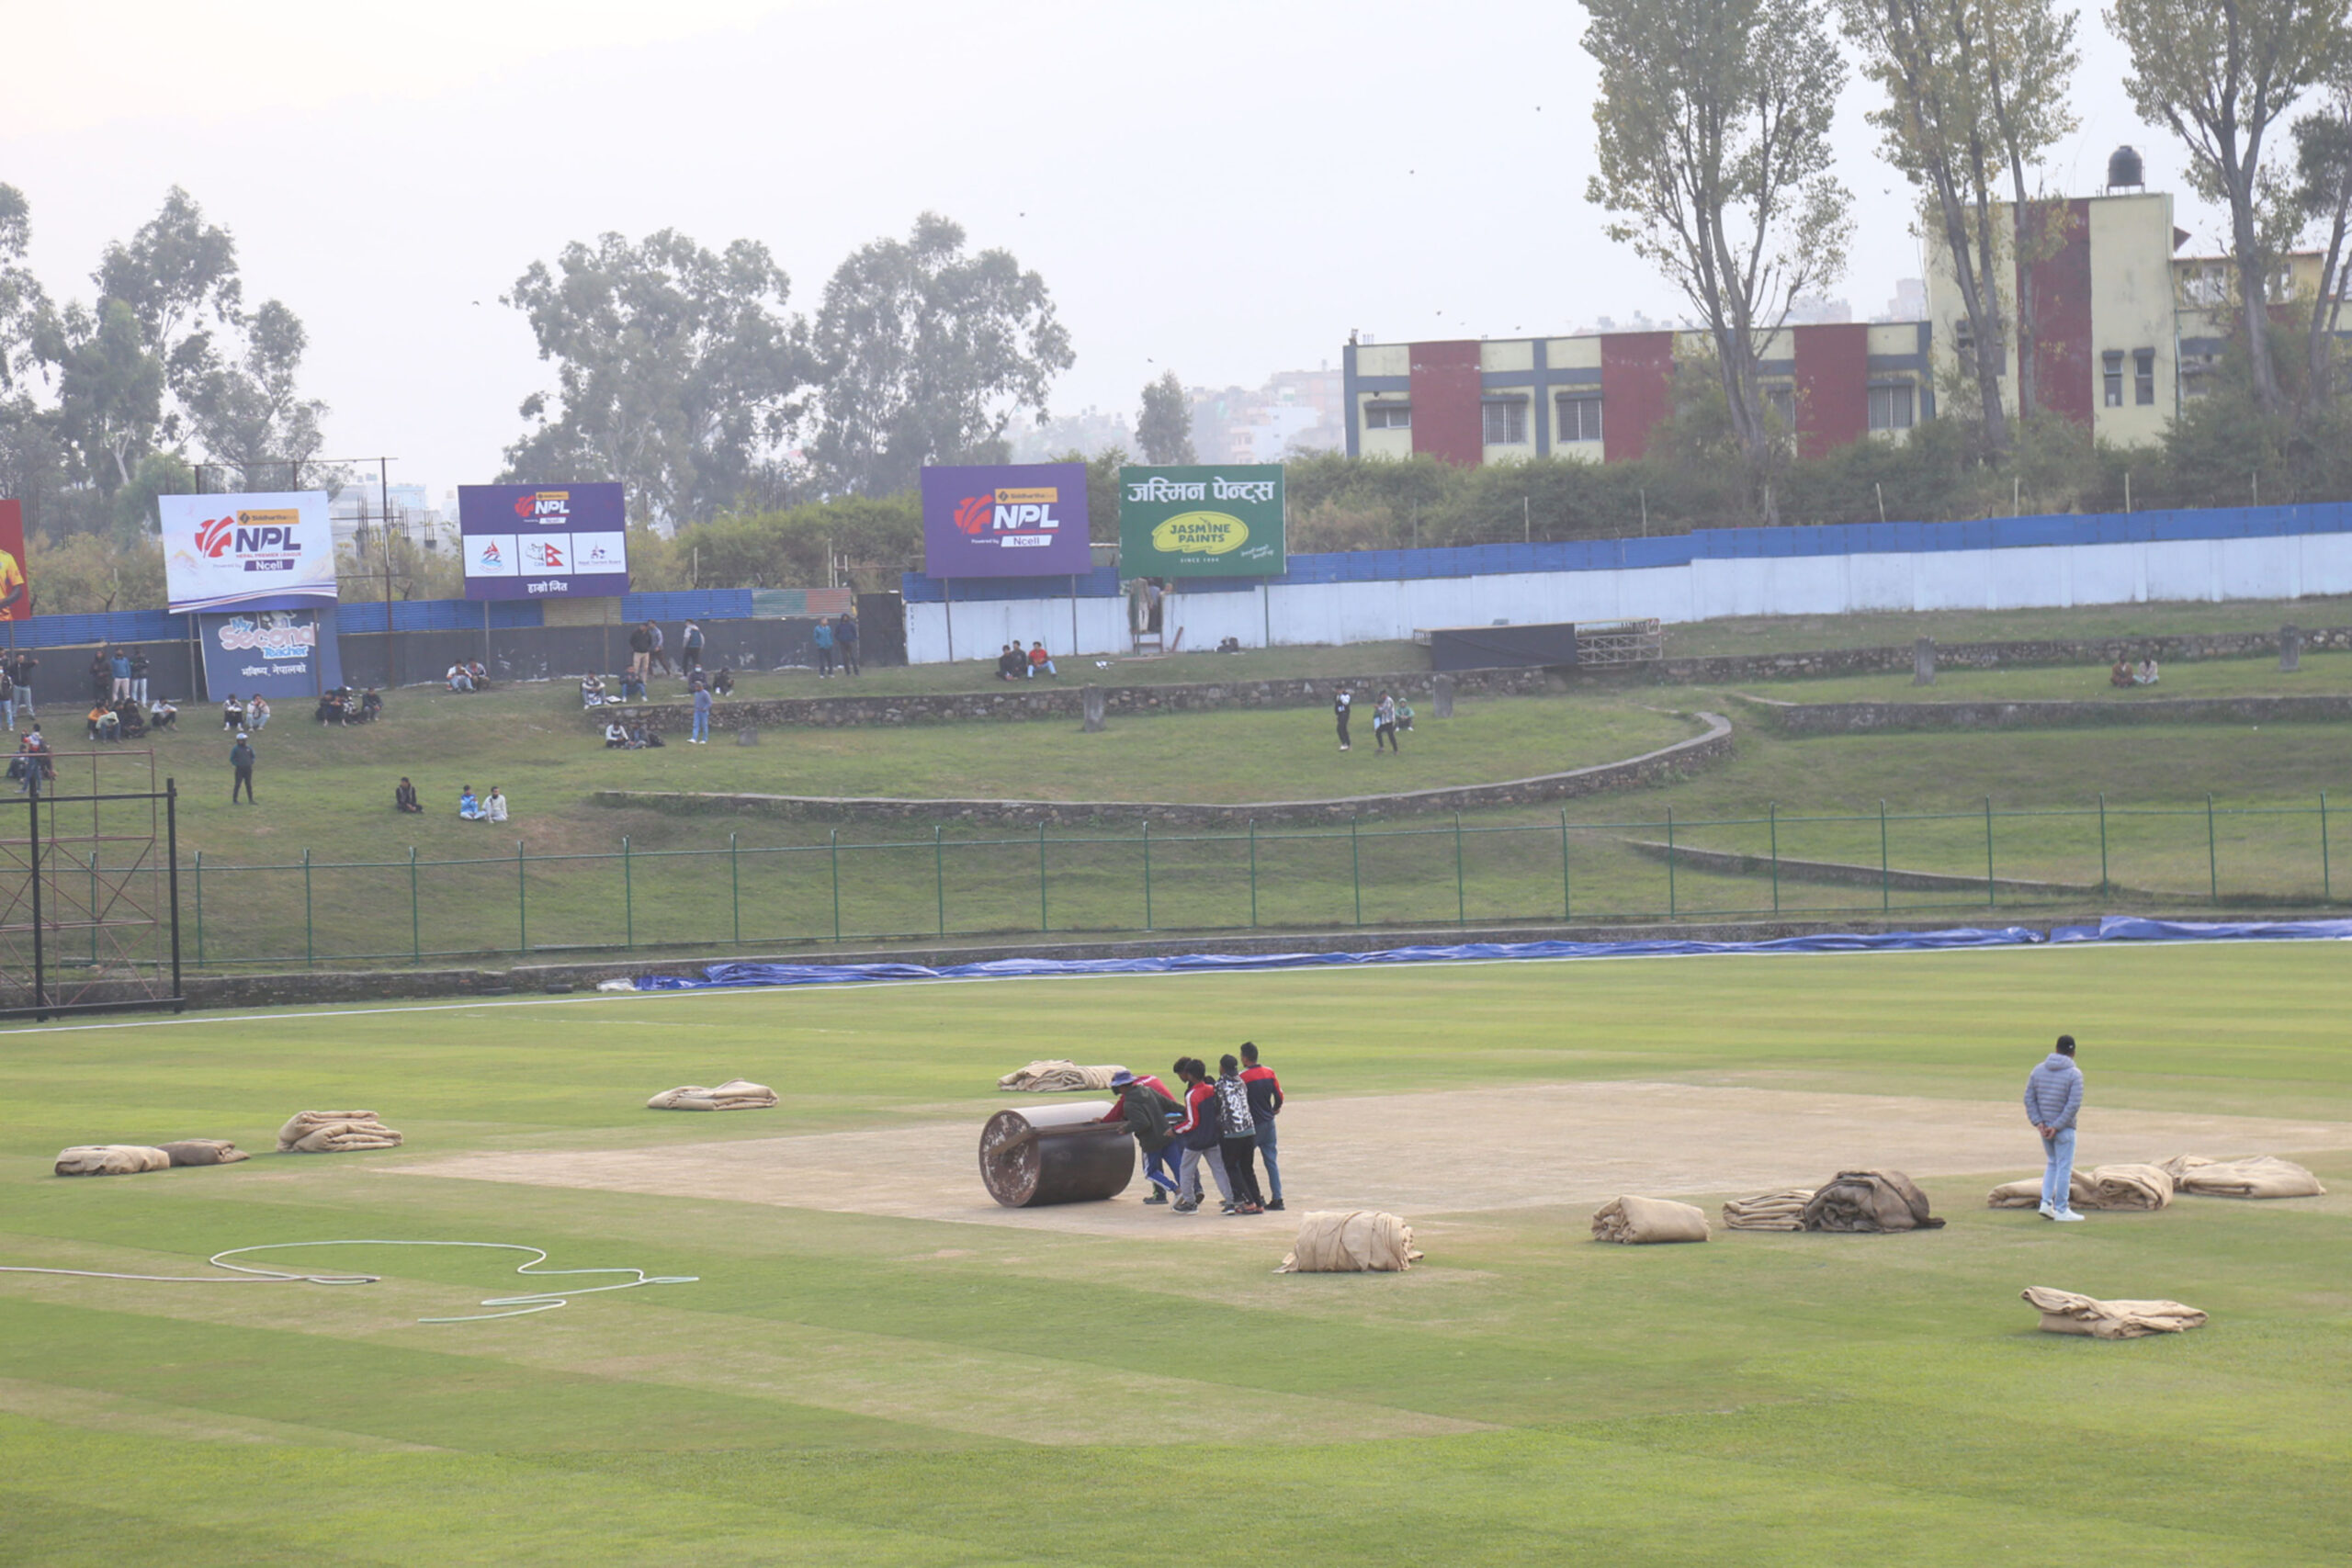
<point>247,552</point>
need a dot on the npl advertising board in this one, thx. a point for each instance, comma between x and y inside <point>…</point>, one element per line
<point>247,552</point>
<point>1201,521</point>
<point>554,541</point>
<point>16,595</point>
<point>1005,520</point>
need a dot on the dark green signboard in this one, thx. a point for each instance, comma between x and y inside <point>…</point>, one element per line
<point>1201,521</point>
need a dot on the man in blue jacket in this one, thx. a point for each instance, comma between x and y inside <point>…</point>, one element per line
<point>2053,1098</point>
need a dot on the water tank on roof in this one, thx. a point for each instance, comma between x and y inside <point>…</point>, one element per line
<point>2123,169</point>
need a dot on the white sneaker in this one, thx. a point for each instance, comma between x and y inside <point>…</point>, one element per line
<point>2046,1212</point>
<point>2065,1214</point>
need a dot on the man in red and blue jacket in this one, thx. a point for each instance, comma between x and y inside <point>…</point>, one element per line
<point>1265,1104</point>
<point>1200,1134</point>
<point>1149,1110</point>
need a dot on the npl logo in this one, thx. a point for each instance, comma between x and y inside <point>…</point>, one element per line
<point>1021,516</point>
<point>543,505</point>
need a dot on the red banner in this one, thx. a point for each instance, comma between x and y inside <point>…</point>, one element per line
<point>16,595</point>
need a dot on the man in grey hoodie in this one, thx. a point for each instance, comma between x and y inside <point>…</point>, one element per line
<point>2053,1097</point>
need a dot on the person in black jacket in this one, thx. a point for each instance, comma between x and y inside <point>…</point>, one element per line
<point>1339,706</point>
<point>241,757</point>
<point>1149,1110</point>
<point>1240,1139</point>
<point>405,796</point>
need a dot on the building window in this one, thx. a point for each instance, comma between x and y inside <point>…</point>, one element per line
<point>1891,407</point>
<point>1783,402</point>
<point>1506,422</point>
<point>2143,377</point>
<point>2111,391</point>
<point>1388,416</point>
<point>1579,418</point>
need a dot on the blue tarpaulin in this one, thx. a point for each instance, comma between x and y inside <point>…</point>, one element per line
<point>2131,928</point>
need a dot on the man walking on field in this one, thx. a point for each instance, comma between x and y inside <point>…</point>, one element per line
<point>2053,1097</point>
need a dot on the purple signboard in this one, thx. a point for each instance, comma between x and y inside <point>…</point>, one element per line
<point>1017,520</point>
<point>560,541</point>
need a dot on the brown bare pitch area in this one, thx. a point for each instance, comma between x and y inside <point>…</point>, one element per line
<point>1452,1151</point>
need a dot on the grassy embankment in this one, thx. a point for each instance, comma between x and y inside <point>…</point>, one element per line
<point>899,1391</point>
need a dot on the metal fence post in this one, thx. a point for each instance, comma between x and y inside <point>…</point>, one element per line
<point>1567,894</point>
<point>1988,852</point>
<point>1355,867</point>
<point>309,940</point>
<point>2102,842</point>
<point>2212,855</point>
<point>1669,863</point>
<point>522,901</point>
<point>1254,874</point>
<point>2326,887</point>
<point>415,925</point>
<point>735,888</point>
<point>93,906</point>
<point>1772,817</point>
<point>837,889</point>
<point>199,906</point>
<point>1146,874</point>
<point>1045,924</point>
<point>1884,899</point>
<point>1461,899</point>
<point>939,874</point>
<point>628,901</point>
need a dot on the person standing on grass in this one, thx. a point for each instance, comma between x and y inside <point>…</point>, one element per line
<point>824,638</point>
<point>26,665</point>
<point>661,648</point>
<point>1198,1137</point>
<point>2053,1098</point>
<point>690,649</point>
<point>845,640</point>
<point>139,665</point>
<point>1383,726</point>
<point>1265,1104</point>
<point>640,652</point>
<point>1239,1140</point>
<point>1339,706</point>
<point>1149,1110</point>
<point>701,735</point>
<point>241,759</point>
<point>8,693</point>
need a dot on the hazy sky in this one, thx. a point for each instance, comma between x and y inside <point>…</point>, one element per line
<point>1222,188</point>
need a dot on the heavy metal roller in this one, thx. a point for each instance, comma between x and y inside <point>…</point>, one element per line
<point>1055,1154</point>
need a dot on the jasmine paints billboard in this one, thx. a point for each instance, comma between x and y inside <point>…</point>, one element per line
<point>1201,521</point>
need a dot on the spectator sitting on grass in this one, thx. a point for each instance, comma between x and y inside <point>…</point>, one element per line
<point>2121,674</point>
<point>460,678</point>
<point>723,683</point>
<point>1040,659</point>
<point>405,796</point>
<point>372,707</point>
<point>330,709</point>
<point>103,724</point>
<point>592,691</point>
<point>133,725</point>
<point>1009,665</point>
<point>615,735</point>
<point>494,808</point>
<point>164,715</point>
<point>641,736</point>
<point>481,675</point>
<point>257,714</point>
<point>232,712</point>
<point>2146,674</point>
<point>469,808</point>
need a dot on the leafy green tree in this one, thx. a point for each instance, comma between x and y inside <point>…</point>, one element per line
<point>1715,164</point>
<point>1974,89</point>
<point>677,372</point>
<point>22,301</point>
<point>1164,428</point>
<point>248,413</point>
<point>2220,74</point>
<point>2324,196</point>
<point>178,276</point>
<point>110,388</point>
<point>135,514</point>
<point>789,548</point>
<point>928,353</point>
<point>87,573</point>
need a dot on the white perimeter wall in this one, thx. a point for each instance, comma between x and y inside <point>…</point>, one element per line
<point>1334,613</point>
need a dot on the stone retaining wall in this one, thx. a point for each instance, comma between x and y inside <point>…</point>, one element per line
<point>2099,651</point>
<point>1047,698</point>
<point>1670,762</point>
<point>1855,718</point>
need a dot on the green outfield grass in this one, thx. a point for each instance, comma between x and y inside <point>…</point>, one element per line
<point>849,1389</point>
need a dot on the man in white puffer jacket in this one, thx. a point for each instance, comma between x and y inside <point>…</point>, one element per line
<point>2053,1098</point>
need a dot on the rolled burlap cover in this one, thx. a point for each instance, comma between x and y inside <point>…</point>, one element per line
<point>2027,1194</point>
<point>2063,1312</point>
<point>2131,1186</point>
<point>335,1132</point>
<point>1639,1221</point>
<point>735,1094</point>
<point>1781,1211</point>
<point>203,1151</point>
<point>1868,1202</point>
<point>1057,1076</point>
<point>110,1159</point>
<point>1055,1154</point>
<point>1351,1241</point>
<point>2254,1176</point>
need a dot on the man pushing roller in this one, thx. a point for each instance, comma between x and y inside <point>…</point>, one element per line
<point>1149,1110</point>
<point>2053,1098</point>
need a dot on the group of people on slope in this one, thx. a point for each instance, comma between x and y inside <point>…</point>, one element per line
<point>835,641</point>
<point>490,807</point>
<point>1011,664</point>
<point>619,737</point>
<point>1391,717</point>
<point>1224,1122</point>
<point>343,707</point>
<point>117,675</point>
<point>124,720</point>
<point>467,675</point>
<point>34,766</point>
<point>2127,673</point>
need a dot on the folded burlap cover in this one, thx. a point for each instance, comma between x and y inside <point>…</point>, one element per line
<point>2063,1312</point>
<point>1870,1200</point>
<point>735,1094</point>
<point>1355,1241</point>
<point>1057,1078</point>
<point>203,1151</point>
<point>335,1132</point>
<point>1638,1222</point>
<point>110,1159</point>
<point>2027,1194</point>
<point>2254,1175</point>
<point>2133,1186</point>
<point>1781,1211</point>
